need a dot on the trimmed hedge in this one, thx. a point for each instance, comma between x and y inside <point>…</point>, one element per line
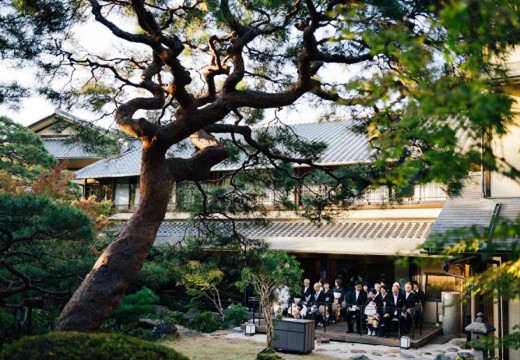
<point>82,346</point>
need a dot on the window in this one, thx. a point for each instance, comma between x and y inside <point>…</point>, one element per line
<point>122,194</point>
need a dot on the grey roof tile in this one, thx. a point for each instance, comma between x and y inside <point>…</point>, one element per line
<point>345,146</point>
<point>128,164</point>
<point>470,209</point>
<point>370,237</point>
<point>60,149</point>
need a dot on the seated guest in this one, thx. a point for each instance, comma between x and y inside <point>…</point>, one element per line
<point>396,304</point>
<point>329,299</point>
<point>317,299</point>
<point>306,290</point>
<point>409,306</point>
<point>356,299</point>
<point>419,294</point>
<point>339,296</point>
<point>372,316</point>
<point>385,312</point>
<point>377,288</point>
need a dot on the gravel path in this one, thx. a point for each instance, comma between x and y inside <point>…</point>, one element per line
<point>440,349</point>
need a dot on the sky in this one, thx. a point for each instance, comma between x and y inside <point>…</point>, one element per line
<point>95,38</point>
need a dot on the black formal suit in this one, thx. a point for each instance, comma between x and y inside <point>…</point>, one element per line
<point>379,298</point>
<point>420,297</point>
<point>307,292</point>
<point>409,300</point>
<point>358,300</point>
<point>406,315</point>
<point>340,290</point>
<point>386,304</point>
<point>329,297</point>
<point>385,309</point>
<point>317,299</point>
<point>396,308</point>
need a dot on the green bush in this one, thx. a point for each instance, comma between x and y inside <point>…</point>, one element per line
<point>43,321</point>
<point>268,354</point>
<point>136,305</point>
<point>204,322</point>
<point>235,314</point>
<point>111,326</point>
<point>174,317</point>
<point>80,346</point>
<point>7,325</point>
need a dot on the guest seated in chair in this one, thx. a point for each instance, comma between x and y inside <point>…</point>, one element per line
<point>306,291</point>
<point>317,299</point>
<point>409,306</point>
<point>329,298</point>
<point>356,299</point>
<point>385,312</point>
<point>372,316</point>
<point>339,296</point>
<point>420,297</point>
<point>396,303</point>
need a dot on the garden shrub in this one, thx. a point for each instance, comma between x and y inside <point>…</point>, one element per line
<point>204,322</point>
<point>235,314</point>
<point>79,346</point>
<point>111,326</point>
<point>136,305</point>
<point>7,325</point>
<point>268,354</point>
<point>174,317</point>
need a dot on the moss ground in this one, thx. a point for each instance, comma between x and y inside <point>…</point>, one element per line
<point>220,348</point>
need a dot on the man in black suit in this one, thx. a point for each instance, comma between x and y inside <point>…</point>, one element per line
<point>356,299</point>
<point>395,306</point>
<point>419,294</point>
<point>317,299</point>
<point>377,288</point>
<point>420,299</point>
<point>306,290</point>
<point>409,306</point>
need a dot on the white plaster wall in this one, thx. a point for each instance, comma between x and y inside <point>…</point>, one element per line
<point>514,319</point>
<point>507,147</point>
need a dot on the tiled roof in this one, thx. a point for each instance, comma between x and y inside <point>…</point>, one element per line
<point>128,164</point>
<point>345,146</point>
<point>370,237</point>
<point>60,149</point>
<point>470,209</point>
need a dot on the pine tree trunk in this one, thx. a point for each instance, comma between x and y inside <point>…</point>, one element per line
<point>105,285</point>
<point>267,311</point>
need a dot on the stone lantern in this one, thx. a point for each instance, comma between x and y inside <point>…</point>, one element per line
<point>480,331</point>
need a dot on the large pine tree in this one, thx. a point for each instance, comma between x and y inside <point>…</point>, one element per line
<point>414,75</point>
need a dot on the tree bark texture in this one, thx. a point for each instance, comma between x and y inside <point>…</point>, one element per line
<point>104,287</point>
<point>267,312</point>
